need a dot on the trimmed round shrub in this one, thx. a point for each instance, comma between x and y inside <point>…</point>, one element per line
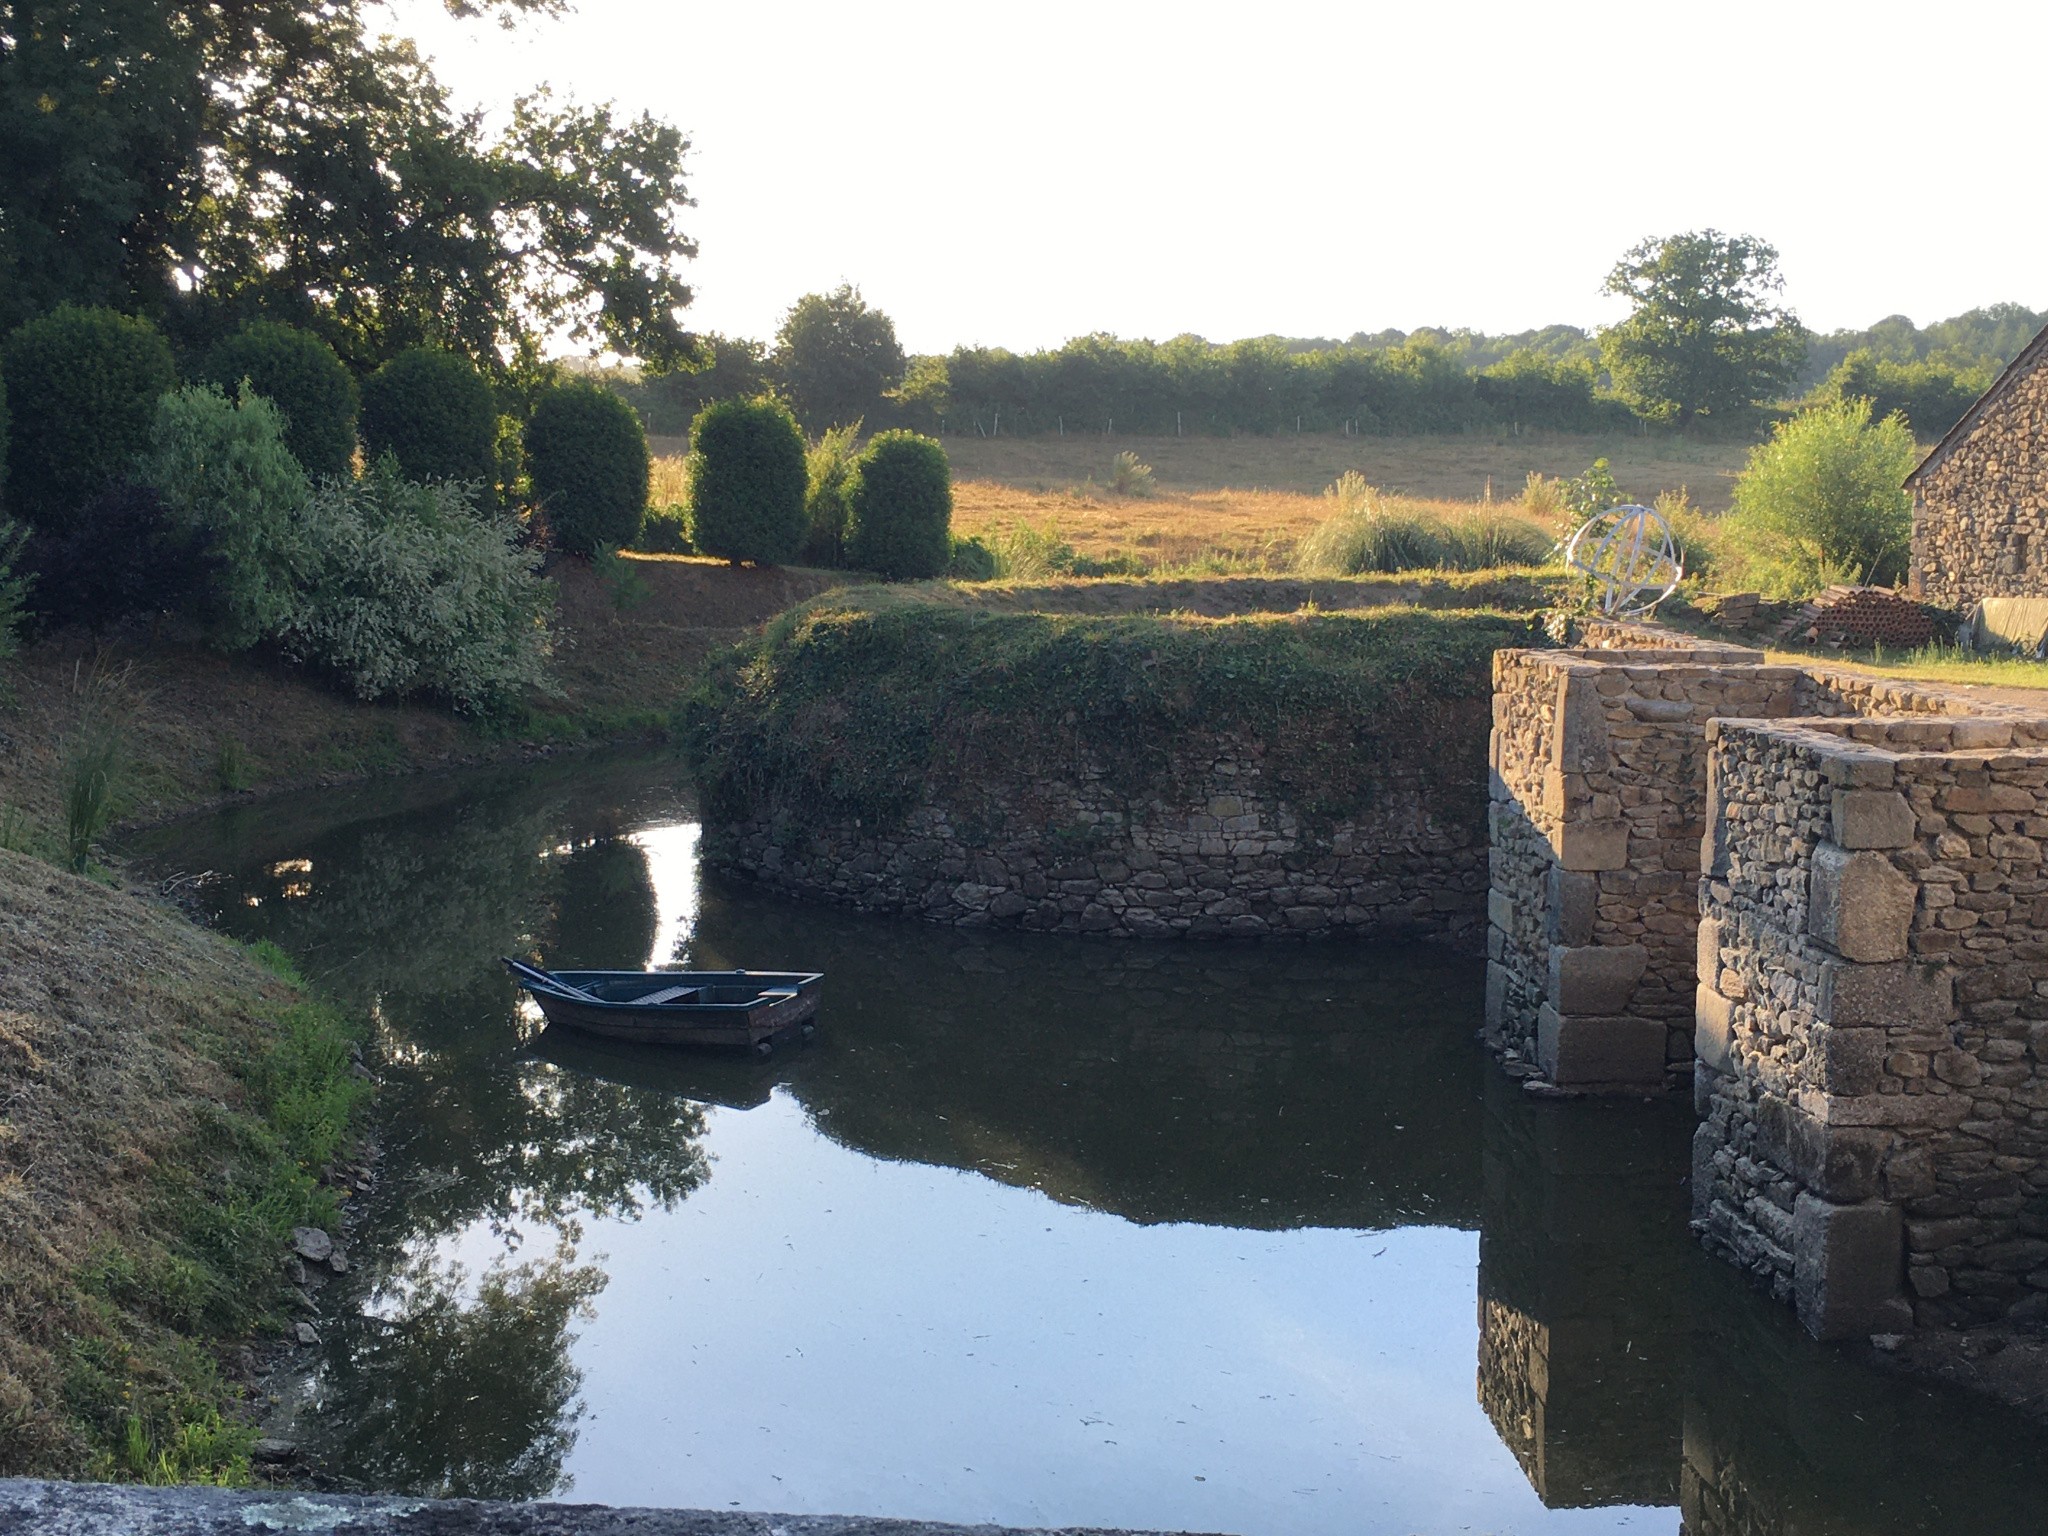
<point>900,511</point>
<point>747,482</point>
<point>84,388</point>
<point>434,413</point>
<point>301,375</point>
<point>587,455</point>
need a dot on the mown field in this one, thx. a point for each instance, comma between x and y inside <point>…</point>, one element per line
<point>1243,502</point>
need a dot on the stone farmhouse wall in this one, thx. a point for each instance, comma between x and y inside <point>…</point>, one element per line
<point>1873,1019</point>
<point>1980,502</point>
<point>1224,859</point>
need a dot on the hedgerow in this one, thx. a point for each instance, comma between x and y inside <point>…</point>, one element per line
<point>865,705</point>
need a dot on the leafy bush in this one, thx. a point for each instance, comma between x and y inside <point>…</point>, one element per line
<point>225,473</point>
<point>900,509</point>
<point>1932,396</point>
<point>411,589</point>
<point>301,375</point>
<point>434,413</point>
<point>83,385</point>
<point>587,454</point>
<point>828,469</point>
<point>129,554</point>
<point>1593,491</point>
<point>747,482</point>
<point>972,561</point>
<point>666,531</point>
<point>14,587</point>
<point>1824,501</point>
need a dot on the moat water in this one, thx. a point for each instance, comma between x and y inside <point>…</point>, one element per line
<point>1037,1231</point>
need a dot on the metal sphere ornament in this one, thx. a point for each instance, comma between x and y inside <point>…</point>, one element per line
<point>1631,557</point>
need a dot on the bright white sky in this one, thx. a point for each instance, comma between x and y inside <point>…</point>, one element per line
<point>1017,174</point>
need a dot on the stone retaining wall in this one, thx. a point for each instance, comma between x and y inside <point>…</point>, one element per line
<point>1873,1019</point>
<point>1225,858</point>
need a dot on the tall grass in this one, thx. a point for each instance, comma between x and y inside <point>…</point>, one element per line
<point>1130,475</point>
<point>95,758</point>
<point>1368,531</point>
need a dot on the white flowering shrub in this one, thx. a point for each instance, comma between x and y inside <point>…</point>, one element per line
<point>414,589</point>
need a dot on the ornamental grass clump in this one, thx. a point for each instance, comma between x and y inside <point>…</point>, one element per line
<point>748,482</point>
<point>412,589</point>
<point>1370,531</point>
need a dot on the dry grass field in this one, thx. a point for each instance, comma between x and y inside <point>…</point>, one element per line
<point>1243,502</point>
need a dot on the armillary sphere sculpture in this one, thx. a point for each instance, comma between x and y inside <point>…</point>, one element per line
<point>1630,555</point>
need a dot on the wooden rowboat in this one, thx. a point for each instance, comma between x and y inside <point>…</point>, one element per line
<point>752,1010</point>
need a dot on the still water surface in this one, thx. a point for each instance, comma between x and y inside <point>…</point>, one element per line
<point>1037,1231</point>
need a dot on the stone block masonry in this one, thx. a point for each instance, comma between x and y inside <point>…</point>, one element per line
<point>1873,1019</point>
<point>1224,858</point>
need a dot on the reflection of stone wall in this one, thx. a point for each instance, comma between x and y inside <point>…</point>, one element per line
<point>1873,1019</point>
<point>1581,1351</point>
<point>1225,860</point>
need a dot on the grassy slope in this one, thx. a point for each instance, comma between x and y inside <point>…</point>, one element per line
<point>200,725</point>
<point>166,1102</point>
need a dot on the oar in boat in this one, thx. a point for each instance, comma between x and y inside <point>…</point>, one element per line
<point>527,972</point>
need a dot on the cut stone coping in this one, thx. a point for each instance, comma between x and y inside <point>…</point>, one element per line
<point>103,1509</point>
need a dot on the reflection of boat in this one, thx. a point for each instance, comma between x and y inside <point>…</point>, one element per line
<point>755,1009</point>
<point>729,1081</point>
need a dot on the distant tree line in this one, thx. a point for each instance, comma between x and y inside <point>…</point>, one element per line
<point>1707,343</point>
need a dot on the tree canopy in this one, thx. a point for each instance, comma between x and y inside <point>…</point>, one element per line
<point>203,163</point>
<point>836,358</point>
<point>1706,334</point>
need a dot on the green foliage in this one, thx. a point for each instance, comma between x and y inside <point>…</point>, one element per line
<point>1369,531</point>
<point>435,414</point>
<point>836,358</point>
<point>301,375</point>
<point>748,482</point>
<point>972,561</point>
<point>283,157</point>
<point>1594,490</point>
<point>1130,476</point>
<point>95,760</point>
<point>1978,342</point>
<point>900,509</point>
<point>1823,501</point>
<point>14,587</point>
<point>587,455</point>
<point>1705,334</point>
<point>828,470</point>
<point>83,385</point>
<point>1930,396</point>
<point>129,555</point>
<point>411,589</point>
<point>718,368</point>
<point>224,471</point>
<point>859,704</point>
<point>666,531</point>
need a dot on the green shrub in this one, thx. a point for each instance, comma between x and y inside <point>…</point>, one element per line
<point>3,438</point>
<point>224,471</point>
<point>1932,396</point>
<point>972,561</point>
<point>1130,476</point>
<point>900,510</point>
<point>411,589</point>
<point>587,455</point>
<point>84,384</point>
<point>747,482</point>
<point>14,587</point>
<point>129,555</point>
<point>1824,501</point>
<point>301,375</point>
<point>666,531</point>
<point>1368,531</point>
<point>434,413</point>
<point>829,474</point>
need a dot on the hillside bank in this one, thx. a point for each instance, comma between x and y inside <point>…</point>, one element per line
<point>1303,773</point>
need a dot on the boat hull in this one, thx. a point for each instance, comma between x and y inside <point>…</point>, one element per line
<point>742,1010</point>
<point>749,1025</point>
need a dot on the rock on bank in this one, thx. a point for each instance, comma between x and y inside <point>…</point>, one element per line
<point>1298,775</point>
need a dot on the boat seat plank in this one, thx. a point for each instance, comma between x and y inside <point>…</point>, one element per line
<point>667,995</point>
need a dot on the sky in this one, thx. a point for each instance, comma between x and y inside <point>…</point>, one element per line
<point>1017,174</point>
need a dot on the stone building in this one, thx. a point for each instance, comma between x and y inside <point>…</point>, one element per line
<point>1980,499</point>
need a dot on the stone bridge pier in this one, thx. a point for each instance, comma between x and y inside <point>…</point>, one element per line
<point>1820,896</point>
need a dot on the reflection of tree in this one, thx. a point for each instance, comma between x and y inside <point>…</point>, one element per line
<point>603,915</point>
<point>456,1398</point>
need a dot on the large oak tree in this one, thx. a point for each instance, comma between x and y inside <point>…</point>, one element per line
<point>202,162</point>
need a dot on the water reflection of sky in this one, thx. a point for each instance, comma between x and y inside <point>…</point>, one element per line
<point>1039,1232</point>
